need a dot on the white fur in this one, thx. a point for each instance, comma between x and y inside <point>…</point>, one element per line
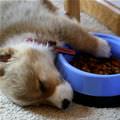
<point>103,49</point>
<point>63,91</point>
<point>19,42</point>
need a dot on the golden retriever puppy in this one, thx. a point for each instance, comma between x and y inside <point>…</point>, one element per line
<point>30,76</point>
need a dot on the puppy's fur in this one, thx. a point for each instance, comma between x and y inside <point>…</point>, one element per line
<point>30,76</point>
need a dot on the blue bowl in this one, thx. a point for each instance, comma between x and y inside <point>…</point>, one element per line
<point>89,83</point>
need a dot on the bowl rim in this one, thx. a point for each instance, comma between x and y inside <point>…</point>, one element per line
<point>76,70</point>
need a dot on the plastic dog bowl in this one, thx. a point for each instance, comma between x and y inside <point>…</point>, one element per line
<point>89,84</point>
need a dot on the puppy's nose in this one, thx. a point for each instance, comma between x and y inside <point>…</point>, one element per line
<point>65,104</point>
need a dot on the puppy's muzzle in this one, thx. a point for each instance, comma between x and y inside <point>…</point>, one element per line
<point>62,96</point>
<point>65,104</point>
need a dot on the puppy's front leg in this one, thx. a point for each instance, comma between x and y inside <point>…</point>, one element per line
<point>7,51</point>
<point>70,31</point>
<point>80,39</point>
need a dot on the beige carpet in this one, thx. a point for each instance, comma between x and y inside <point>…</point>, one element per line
<point>10,111</point>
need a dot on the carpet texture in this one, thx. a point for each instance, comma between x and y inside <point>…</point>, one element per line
<point>10,111</point>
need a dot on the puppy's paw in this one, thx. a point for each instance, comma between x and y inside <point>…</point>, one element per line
<point>104,49</point>
<point>6,54</point>
<point>6,51</point>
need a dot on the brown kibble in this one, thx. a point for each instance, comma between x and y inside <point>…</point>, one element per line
<point>92,64</point>
<point>115,62</point>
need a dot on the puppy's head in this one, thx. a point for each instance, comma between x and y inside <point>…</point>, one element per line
<point>30,77</point>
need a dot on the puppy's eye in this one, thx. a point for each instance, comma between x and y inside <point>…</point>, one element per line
<point>42,87</point>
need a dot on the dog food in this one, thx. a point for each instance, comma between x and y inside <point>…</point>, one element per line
<point>95,65</point>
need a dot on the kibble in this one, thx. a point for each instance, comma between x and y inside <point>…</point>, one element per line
<point>89,63</point>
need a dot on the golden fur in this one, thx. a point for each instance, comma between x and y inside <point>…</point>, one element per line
<point>30,75</point>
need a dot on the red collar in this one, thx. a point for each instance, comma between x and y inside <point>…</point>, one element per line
<point>54,45</point>
<point>5,58</point>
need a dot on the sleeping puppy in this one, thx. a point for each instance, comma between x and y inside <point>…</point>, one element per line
<point>29,76</point>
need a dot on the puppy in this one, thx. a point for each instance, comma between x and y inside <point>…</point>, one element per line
<point>30,76</point>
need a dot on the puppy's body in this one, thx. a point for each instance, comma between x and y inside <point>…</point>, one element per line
<point>30,76</point>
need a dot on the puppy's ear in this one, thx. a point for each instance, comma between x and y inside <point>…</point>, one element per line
<point>6,54</point>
